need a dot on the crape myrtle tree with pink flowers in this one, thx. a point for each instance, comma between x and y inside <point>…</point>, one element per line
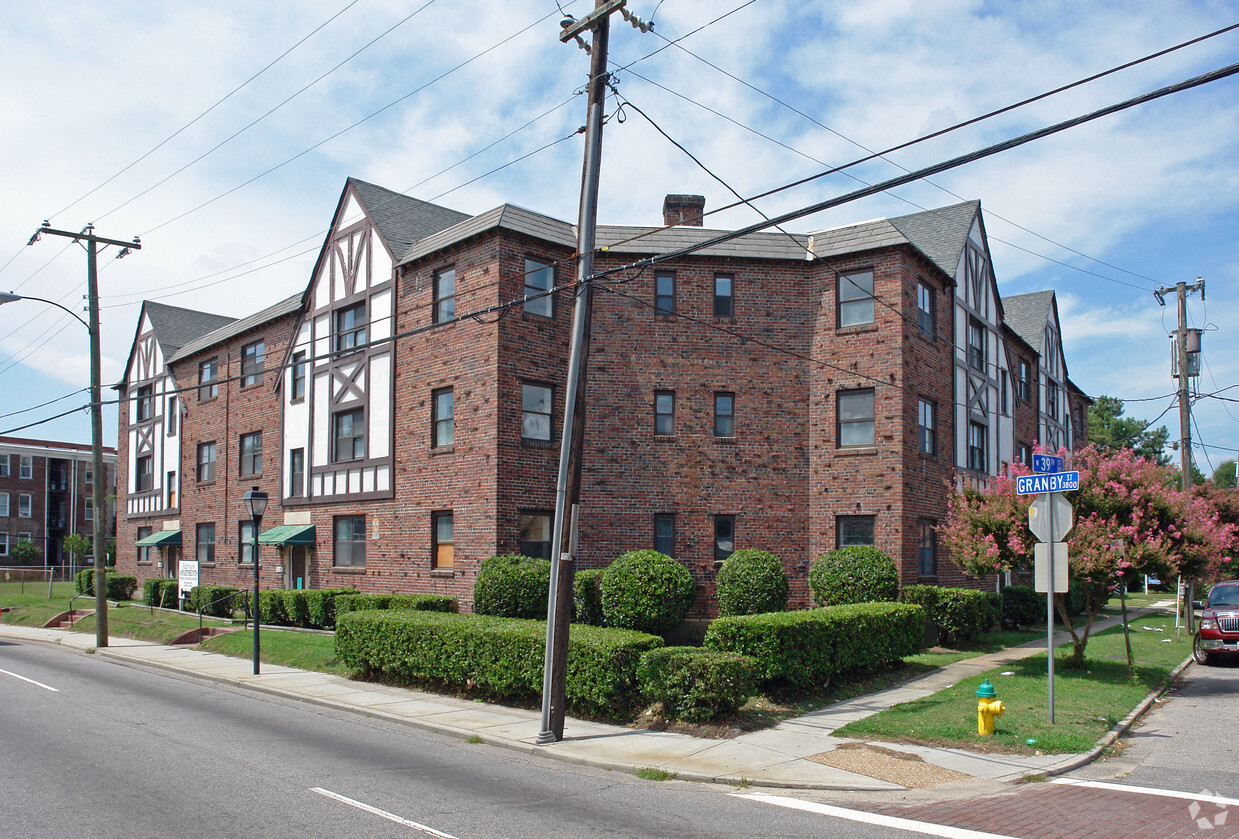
<point>1130,520</point>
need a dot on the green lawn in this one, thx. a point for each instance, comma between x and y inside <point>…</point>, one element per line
<point>303,650</point>
<point>1087,702</point>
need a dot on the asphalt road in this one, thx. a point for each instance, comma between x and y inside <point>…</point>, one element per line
<point>93,748</point>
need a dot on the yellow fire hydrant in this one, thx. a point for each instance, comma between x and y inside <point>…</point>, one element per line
<point>987,708</point>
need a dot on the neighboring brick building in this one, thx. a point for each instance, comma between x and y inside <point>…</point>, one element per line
<point>46,492</point>
<point>793,393</point>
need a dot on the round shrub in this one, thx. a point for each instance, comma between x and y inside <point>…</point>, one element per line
<point>856,574</point>
<point>751,582</point>
<point>512,586</point>
<point>646,591</point>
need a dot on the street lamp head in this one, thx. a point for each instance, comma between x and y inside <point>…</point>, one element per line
<point>255,503</point>
<point>8,297</point>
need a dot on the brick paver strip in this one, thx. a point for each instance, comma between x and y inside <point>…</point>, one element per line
<point>1042,811</point>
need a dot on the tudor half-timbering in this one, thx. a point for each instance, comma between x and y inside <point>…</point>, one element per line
<point>1059,404</point>
<point>791,393</point>
<point>151,438</point>
<point>338,386</point>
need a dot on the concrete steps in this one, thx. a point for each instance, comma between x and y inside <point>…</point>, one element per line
<point>65,620</point>
<point>197,636</point>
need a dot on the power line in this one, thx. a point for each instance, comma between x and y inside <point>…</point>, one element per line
<point>44,404</point>
<point>268,113</point>
<point>217,103</point>
<point>953,163</point>
<point>348,128</point>
<point>871,154</point>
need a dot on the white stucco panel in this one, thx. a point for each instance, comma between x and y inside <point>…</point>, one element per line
<point>379,432</point>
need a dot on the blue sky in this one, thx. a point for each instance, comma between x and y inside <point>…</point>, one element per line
<point>1102,214</point>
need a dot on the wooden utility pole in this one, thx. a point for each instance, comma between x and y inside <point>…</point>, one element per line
<point>96,410</point>
<point>1181,291</point>
<point>571,444</point>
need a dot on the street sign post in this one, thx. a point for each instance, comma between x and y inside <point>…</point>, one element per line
<point>1043,569</point>
<point>1047,463</point>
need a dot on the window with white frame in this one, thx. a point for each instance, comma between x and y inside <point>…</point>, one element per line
<point>348,436</point>
<point>976,345</point>
<point>24,505</point>
<point>90,508</point>
<point>664,293</point>
<point>724,296</point>
<point>443,540</point>
<point>926,549</point>
<point>4,505</point>
<point>4,465</point>
<point>4,544</point>
<point>27,466</point>
<point>444,295</point>
<point>204,543</point>
<point>349,537</point>
<point>443,417</point>
<point>350,327</point>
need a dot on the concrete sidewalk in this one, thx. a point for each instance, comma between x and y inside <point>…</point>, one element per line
<point>797,753</point>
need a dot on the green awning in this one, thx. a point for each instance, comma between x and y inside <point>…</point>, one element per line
<point>161,539</point>
<point>288,534</point>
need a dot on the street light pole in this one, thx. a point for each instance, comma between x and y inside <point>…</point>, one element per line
<point>96,403</point>
<point>255,504</point>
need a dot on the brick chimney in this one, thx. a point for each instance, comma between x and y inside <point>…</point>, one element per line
<point>684,209</point>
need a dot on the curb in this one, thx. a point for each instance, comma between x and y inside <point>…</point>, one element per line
<point>1122,726</point>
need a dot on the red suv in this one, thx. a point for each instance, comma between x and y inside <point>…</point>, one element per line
<point>1219,625</point>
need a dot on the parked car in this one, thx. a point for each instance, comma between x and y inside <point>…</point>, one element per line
<point>1219,624</point>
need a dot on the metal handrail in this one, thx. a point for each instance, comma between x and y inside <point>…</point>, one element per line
<point>229,596</point>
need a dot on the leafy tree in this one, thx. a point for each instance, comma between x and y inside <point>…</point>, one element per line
<point>26,552</point>
<point>1130,520</point>
<point>78,546</point>
<point>1109,430</point>
<point>1224,474</point>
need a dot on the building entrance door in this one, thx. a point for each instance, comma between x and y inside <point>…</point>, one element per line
<point>298,568</point>
<point>172,556</point>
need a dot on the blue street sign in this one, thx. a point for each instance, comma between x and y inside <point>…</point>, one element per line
<point>1057,482</point>
<point>1047,463</point>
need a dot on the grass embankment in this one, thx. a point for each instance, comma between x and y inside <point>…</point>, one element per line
<point>303,650</point>
<point>1088,702</point>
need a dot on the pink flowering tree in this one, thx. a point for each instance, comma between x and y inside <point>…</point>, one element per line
<point>1129,521</point>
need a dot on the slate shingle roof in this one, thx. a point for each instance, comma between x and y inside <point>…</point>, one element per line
<point>1027,315</point>
<point>238,327</point>
<point>403,220</point>
<point>940,234</point>
<point>175,327</point>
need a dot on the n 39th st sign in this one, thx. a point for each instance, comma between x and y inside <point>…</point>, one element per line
<point>1056,482</point>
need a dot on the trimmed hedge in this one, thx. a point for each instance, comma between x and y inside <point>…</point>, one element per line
<point>214,600</point>
<point>587,597</point>
<point>960,614</point>
<point>423,602</point>
<point>512,586</point>
<point>313,608</point>
<point>802,650</point>
<point>695,684</point>
<point>160,591</point>
<point>646,591</point>
<point>1022,607</point>
<point>751,582</point>
<point>499,657</point>
<point>120,586</point>
<point>856,574</point>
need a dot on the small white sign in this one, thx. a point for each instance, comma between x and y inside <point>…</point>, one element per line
<point>186,575</point>
<point>1041,567</point>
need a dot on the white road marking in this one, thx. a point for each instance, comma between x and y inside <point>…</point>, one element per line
<point>392,817</point>
<point>32,681</point>
<point>945,831</point>
<point>1165,793</point>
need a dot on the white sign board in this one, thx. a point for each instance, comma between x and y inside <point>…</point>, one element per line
<point>1041,567</point>
<point>186,575</point>
<point>1039,517</point>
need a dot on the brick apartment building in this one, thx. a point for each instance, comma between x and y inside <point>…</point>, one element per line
<point>46,491</point>
<point>792,393</point>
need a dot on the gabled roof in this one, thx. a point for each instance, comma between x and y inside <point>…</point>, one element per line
<point>940,234</point>
<point>175,327</point>
<point>506,216</point>
<point>238,327</point>
<point>1027,315</point>
<point>402,220</point>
